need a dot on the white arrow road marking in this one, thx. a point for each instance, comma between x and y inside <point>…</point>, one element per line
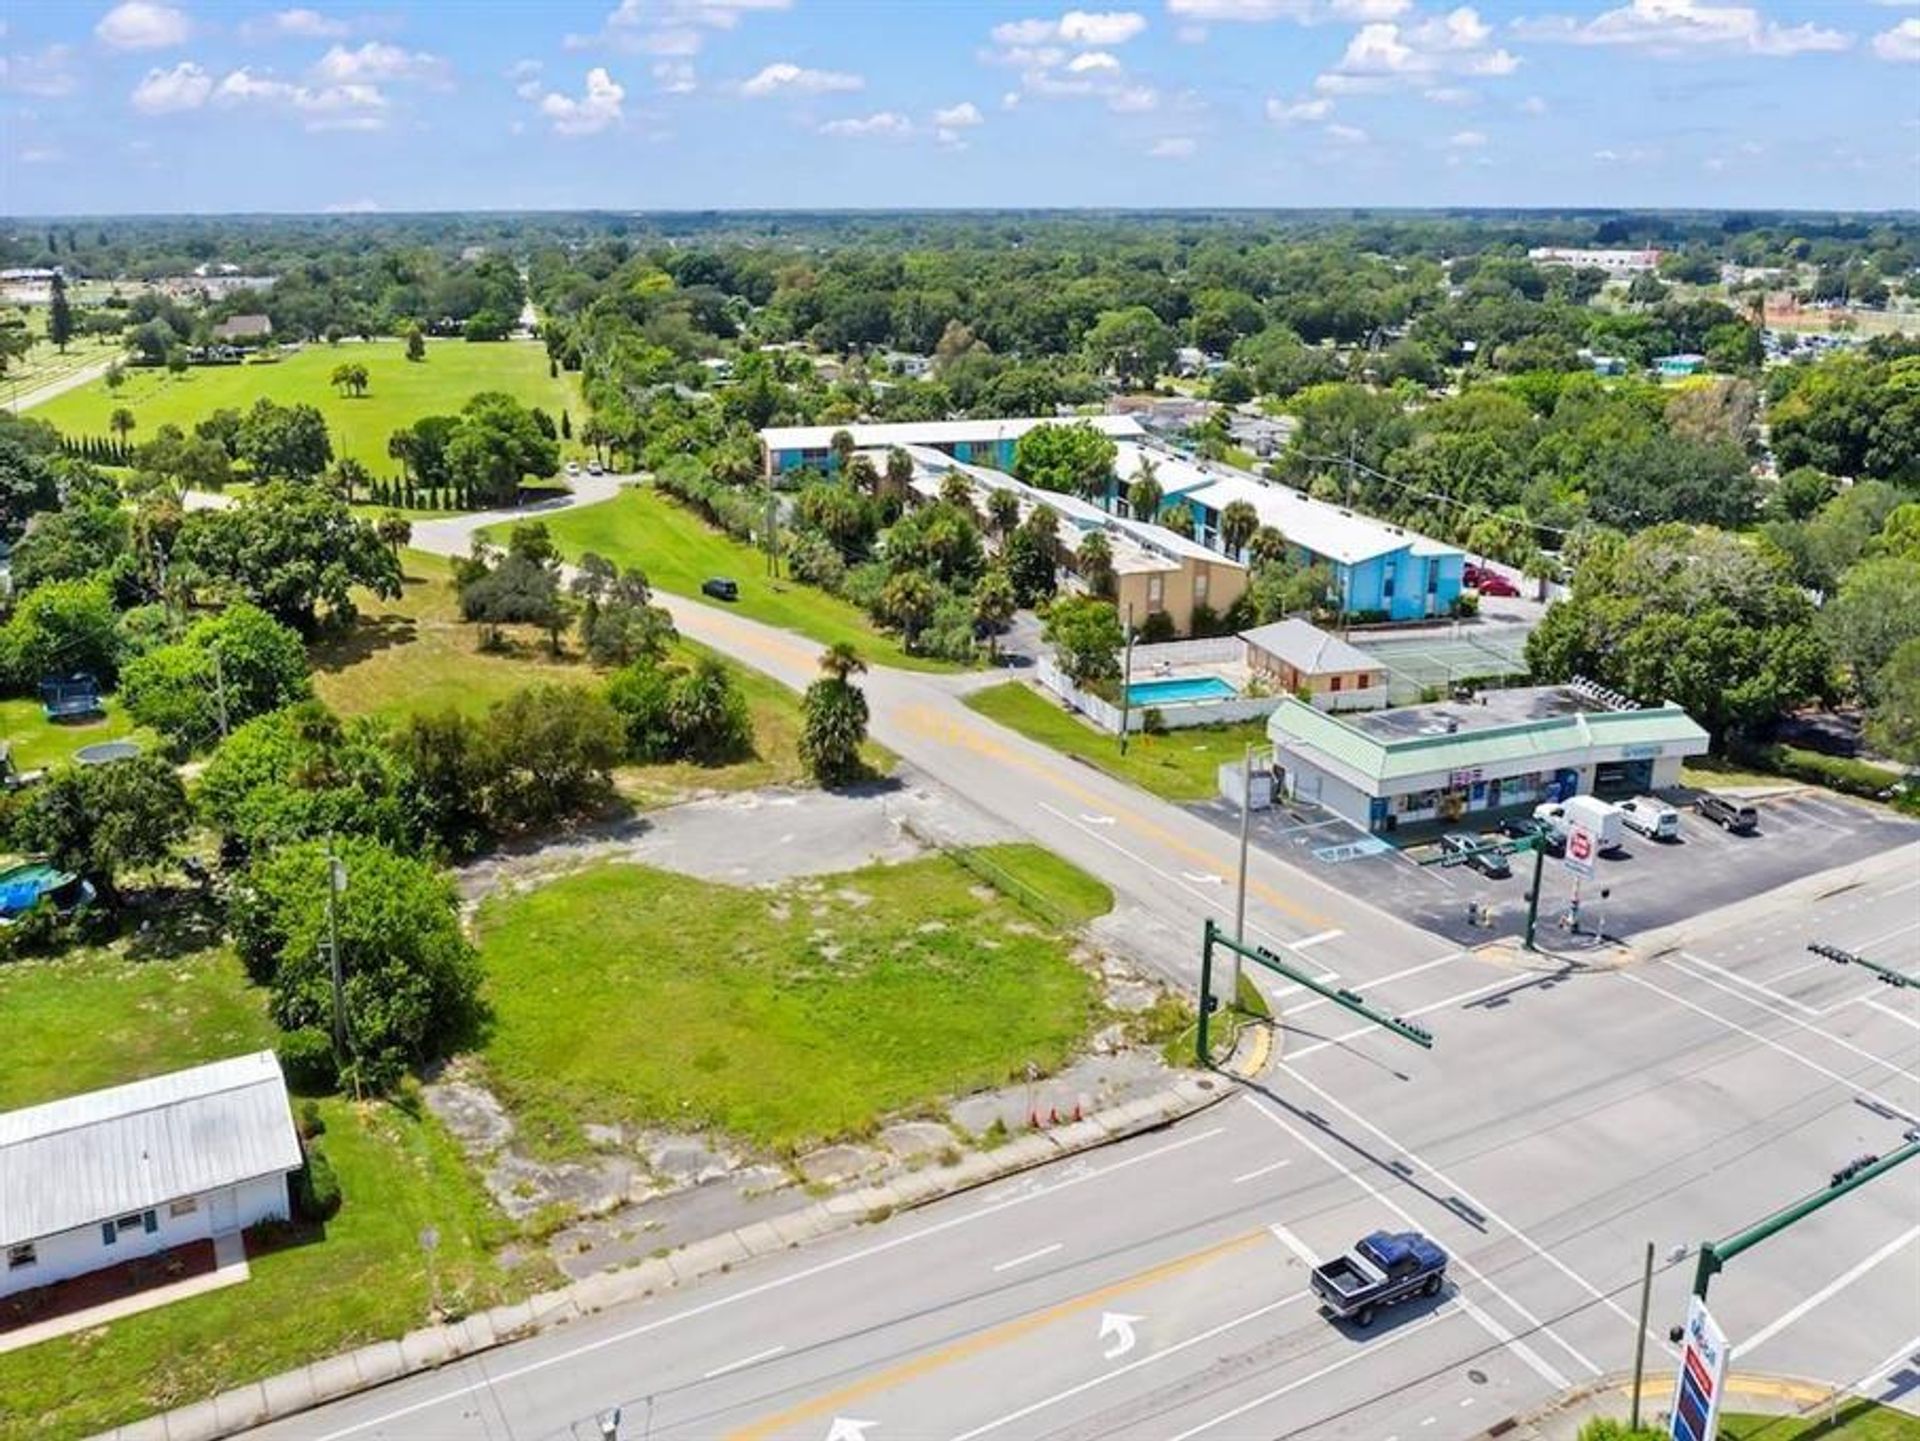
<point>1096,820</point>
<point>1120,1325</point>
<point>845,1428</point>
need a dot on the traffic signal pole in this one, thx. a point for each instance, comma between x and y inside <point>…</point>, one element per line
<point>1715,1254</point>
<point>1261,956</point>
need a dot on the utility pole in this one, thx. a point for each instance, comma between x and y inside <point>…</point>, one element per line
<point>1240,888</point>
<point>1640,1339</point>
<point>1126,680</point>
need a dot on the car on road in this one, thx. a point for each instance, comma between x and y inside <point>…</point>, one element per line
<point>595,468</point>
<point>1384,1269</point>
<point>1477,853</point>
<point>1729,815</point>
<point>1654,819</point>
<point>1488,581</point>
<point>720,588</point>
<point>573,467</point>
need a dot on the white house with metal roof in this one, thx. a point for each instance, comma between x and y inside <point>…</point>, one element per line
<point>110,1176</point>
<point>1321,669</point>
<point>1505,749</point>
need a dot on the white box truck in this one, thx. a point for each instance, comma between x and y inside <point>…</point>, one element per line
<point>1599,819</point>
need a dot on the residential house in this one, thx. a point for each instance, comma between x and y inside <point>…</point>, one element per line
<point>1320,669</point>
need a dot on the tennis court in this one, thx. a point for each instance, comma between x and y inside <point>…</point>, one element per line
<point>1439,658</point>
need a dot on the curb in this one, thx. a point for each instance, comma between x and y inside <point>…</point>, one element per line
<point>334,1377</point>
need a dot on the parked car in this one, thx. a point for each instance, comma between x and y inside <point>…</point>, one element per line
<point>595,468</point>
<point>720,588</point>
<point>1385,1268</point>
<point>1488,582</point>
<point>1727,814</point>
<point>1478,855</point>
<point>1654,819</point>
<point>573,467</point>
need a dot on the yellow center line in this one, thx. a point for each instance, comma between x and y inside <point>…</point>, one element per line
<point>834,1402</point>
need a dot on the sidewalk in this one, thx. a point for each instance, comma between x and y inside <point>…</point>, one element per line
<point>1612,1396</point>
<point>430,1347</point>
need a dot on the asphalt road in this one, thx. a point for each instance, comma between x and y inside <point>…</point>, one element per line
<point>1564,1119</point>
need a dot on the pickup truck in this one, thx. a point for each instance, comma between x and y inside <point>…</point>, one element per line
<point>1385,1268</point>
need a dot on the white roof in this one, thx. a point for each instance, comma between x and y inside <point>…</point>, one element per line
<point>92,1157</point>
<point>1324,529</point>
<point>938,432</point>
<point>1308,649</point>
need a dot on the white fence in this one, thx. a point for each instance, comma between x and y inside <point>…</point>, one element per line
<point>1210,650</point>
<point>1183,716</point>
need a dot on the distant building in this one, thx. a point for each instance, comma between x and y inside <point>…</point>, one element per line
<point>110,1176</point>
<point>1429,763</point>
<point>1318,668</point>
<point>1674,367</point>
<point>243,327</point>
<point>1608,365</point>
<point>1614,262</point>
<point>977,442</point>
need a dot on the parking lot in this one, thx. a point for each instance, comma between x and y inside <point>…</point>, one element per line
<point>1645,885</point>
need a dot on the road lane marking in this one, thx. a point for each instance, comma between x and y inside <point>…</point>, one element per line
<point>1741,980</point>
<point>1900,1357</point>
<point>1285,1019</point>
<point>778,1283</point>
<point>1750,1344</point>
<point>979,1342</point>
<point>745,1361</point>
<point>1361,1354</point>
<point>1263,1171</point>
<point>1162,1354</point>
<point>1294,1244</point>
<point>1499,1333</point>
<point>1315,940</point>
<point>1886,1010</point>
<point>1030,1256</point>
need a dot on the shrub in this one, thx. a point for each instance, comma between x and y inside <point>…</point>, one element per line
<point>1157,629</point>
<point>1152,721</point>
<point>1840,773</point>
<point>1609,1428</point>
<point>306,1056</point>
<point>316,1190</point>
<point>311,1123</point>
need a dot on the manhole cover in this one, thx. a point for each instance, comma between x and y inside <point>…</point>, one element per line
<point>1206,1085</point>
<point>1478,1377</point>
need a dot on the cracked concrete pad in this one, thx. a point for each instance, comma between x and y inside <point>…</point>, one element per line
<point>833,1165</point>
<point>909,1139</point>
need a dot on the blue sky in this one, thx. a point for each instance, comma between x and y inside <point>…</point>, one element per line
<point>679,104</point>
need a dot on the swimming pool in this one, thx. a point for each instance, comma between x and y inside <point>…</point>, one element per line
<point>1179,692</point>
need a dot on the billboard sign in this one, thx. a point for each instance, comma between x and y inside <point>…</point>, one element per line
<point>1703,1376</point>
<point>1580,850</point>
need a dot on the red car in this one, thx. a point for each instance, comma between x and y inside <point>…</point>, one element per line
<point>1489,582</point>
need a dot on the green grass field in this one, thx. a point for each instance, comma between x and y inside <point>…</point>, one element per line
<point>38,742</point>
<point>365,1280</point>
<point>400,393</point>
<point>678,551</point>
<point>1178,766</point>
<point>1854,1421</point>
<point>780,1015</point>
<point>414,655</point>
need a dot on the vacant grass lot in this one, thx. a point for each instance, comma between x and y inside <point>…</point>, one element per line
<point>415,656</point>
<point>37,741</point>
<point>1855,1421</point>
<point>399,394</point>
<point>1177,766</point>
<point>678,550</point>
<point>780,1015</point>
<point>365,1280</point>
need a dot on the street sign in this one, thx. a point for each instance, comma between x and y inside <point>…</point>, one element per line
<point>1703,1374</point>
<point>1580,848</point>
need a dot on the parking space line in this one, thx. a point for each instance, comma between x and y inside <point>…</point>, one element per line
<point>1826,1293</point>
<point>1493,1328</point>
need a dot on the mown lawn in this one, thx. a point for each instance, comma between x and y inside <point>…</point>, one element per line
<point>98,1018</point>
<point>1855,1421</point>
<point>678,550</point>
<point>401,391</point>
<point>780,1015</point>
<point>415,656</point>
<point>1178,766</point>
<point>38,742</point>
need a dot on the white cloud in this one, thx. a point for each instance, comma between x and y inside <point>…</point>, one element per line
<point>41,155</point>
<point>1900,44</point>
<point>347,122</point>
<point>1092,60</point>
<point>1450,95</point>
<point>296,24</point>
<point>525,75</point>
<point>353,207</point>
<point>1291,112</point>
<point>785,78</point>
<point>353,106</point>
<point>1533,105</point>
<point>1345,134</point>
<point>1680,27</point>
<point>1457,43</point>
<point>1304,12</point>
<point>669,27</point>
<point>1466,140</point>
<point>1191,34</point>
<point>185,87</point>
<point>46,72</point>
<point>881,125</point>
<point>1081,28</point>
<point>1173,147</point>
<point>675,77</point>
<point>1010,100</point>
<point>142,25</point>
<point>1134,100</point>
<point>959,117</point>
<point>377,60</point>
<point>596,109</point>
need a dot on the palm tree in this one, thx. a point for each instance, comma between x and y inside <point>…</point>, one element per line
<point>1267,546</point>
<point>899,473</point>
<point>834,718</point>
<point>841,445</point>
<point>1540,570</point>
<point>840,661</point>
<point>1095,563</point>
<point>394,530</point>
<point>1237,525</point>
<point>342,378</point>
<point>993,607</point>
<point>1178,519</point>
<point>1003,512</point>
<point>957,491</point>
<point>121,423</point>
<point>1145,495</point>
<point>400,448</point>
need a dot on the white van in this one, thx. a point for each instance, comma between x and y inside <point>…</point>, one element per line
<point>1600,820</point>
<point>1653,818</point>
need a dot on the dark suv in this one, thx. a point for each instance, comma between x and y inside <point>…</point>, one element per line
<point>720,588</point>
<point>1728,815</point>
